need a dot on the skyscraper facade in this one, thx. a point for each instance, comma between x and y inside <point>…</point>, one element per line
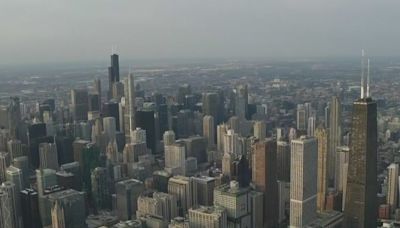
<point>303,181</point>
<point>264,178</point>
<point>322,182</point>
<point>334,135</point>
<point>361,200</point>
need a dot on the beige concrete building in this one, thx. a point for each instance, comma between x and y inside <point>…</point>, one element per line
<point>208,217</point>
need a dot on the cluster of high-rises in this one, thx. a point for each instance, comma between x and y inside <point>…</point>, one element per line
<point>126,157</point>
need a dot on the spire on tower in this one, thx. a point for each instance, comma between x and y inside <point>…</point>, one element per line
<point>368,78</point>
<point>362,74</point>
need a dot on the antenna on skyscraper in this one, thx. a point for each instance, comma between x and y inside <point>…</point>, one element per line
<point>368,78</point>
<point>362,74</point>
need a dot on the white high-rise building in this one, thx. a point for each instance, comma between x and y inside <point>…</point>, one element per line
<point>138,135</point>
<point>303,181</point>
<point>48,156</point>
<point>208,217</point>
<point>109,126</point>
<point>231,143</point>
<point>393,185</point>
<point>175,157</point>
<point>311,126</point>
<point>130,107</point>
<point>221,131</point>
<point>12,202</point>
<point>260,130</point>
<point>169,137</point>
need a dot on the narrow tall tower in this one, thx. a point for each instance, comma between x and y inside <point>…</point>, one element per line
<point>334,136</point>
<point>361,200</point>
<point>130,107</point>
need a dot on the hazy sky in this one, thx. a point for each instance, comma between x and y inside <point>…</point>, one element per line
<point>81,30</point>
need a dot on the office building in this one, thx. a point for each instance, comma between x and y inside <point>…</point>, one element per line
<point>393,186</point>
<point>127,193</point>
<point>175,158</point>
<point>361,201</point>
<point>130,121</point>
<point>209,130</point>
<point>301,117</point>
<point>283,161</point>
<point>181,187</point>
<point>110,128</point>
<point>236,202</point>
<point>48,156</point>
<point>113,73</point>
<point>79,104</point>
<point>241,101</point>
<point>260,130</point>
<point>264,178</point>
<point>210,106</point>
<point>13,218</point>
<point>68,209</point>
<point>208,217</point>
<point>335,135</point>
<point>30,208</point>
<point>205,189</point>
<point>303,181</point>
<point>100,188</point>
<point>322,182</point>
<point>157,204</point>
<point>169,138</point>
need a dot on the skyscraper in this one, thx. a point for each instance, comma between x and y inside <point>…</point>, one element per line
<point>48,156</point>
<point>241,101</point>
<point>393,186</point>
<point>322,182</point>
<point>361,200</point>
<point>264,178</point>
<point>211,105</point>
<point>100,188</point>
<point>175,157</point>
<point>301,117</point>
<point>12,202</point>
<point>5,210</point>
<point>181,187</point>
<point>79,104</point>
<point>303,181</point>
<point>208,217</point>
<point>130,107</point>
<point>157,204</point>
<point>283,161</point>
<point>205,189</point>
<point>209,130</point>
<point>30,208</point>
<point>228,196</point>
<point>127,193</point>
<point>334,136</point>
<point>68,209</point>
<point>113,72</point>
<point>260,130</point>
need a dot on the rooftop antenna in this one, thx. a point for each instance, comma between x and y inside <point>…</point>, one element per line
<point>112,49</point>
<point>362,73</point>
<point>368,78</point>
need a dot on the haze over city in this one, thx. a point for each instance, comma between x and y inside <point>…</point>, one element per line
<point>57,31</point>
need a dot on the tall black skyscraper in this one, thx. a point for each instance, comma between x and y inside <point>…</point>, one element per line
<point>361,195</point>
<point>30,208</point>
<point>113,71</point>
